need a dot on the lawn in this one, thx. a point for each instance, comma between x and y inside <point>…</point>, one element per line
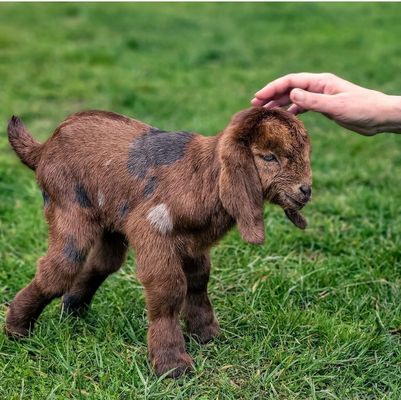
<point>308,315</point>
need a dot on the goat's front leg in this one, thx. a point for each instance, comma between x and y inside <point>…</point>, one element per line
<point>160,272</point>
<point>198,311</point>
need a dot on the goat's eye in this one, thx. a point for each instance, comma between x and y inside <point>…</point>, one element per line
<point>269,157</point>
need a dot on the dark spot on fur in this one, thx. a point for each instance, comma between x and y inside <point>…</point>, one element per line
<point>72,253</point>
<point>156,148</point>
<point>123,210</point>
<point>153,130</point>
<point>46,198</point>
<point>82,197</point>
<point>150,187</point>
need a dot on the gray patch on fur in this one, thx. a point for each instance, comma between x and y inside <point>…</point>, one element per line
<point>72,253</point>
<point>82,197</point>
<point>150,187</point>
<point>156,148</point>
<point>123,210</point>
<point>159,217</point>
<point>46,198</point>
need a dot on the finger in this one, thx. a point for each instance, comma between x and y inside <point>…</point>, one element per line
<point>282,101</point>
<point>283,85</point>
<point>295,109</point>
<point>257,102</point>
<point>323,103</point>
<point>271,104</point>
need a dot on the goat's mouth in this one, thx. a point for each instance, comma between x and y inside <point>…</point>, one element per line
<point>292,213</point>
<point>296,218</point>
<point>291,207</point>
<point>293,202</point>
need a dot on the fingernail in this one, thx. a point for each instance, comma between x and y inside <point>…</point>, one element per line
<point>298,95</point>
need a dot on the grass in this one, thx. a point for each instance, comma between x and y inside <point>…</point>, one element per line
<point>305,316</point>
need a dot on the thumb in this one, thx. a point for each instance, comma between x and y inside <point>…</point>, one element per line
<point>312,101</point>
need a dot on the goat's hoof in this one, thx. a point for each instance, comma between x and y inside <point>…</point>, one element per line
<point>16,332</point>
<point>174,367</point>
<point>206,333</point>
<point>73,306</point>
<point>17,326</point>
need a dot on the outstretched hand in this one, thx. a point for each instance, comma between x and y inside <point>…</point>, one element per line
<point>356,108</point>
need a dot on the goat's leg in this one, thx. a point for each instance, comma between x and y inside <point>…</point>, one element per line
<point>55,273</point>
<point>106,257</point>
<point>198,311</point>
<point>160,272</point>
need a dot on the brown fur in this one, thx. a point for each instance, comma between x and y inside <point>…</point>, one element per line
<point>110,181</point>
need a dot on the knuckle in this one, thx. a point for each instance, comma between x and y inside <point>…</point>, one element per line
<point>328,75</point>
<point>292,79</point>
<point>289,79</point>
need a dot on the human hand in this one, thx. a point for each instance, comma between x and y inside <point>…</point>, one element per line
<point>356,108</point>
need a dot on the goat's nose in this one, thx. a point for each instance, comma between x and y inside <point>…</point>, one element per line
<point>306,190</point>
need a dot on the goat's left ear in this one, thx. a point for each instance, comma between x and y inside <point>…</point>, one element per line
<point>240,188</point>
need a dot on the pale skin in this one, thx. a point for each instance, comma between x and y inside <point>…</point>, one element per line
<point>358,109</point>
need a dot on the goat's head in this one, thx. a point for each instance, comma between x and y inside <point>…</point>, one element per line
<point>264,155</point>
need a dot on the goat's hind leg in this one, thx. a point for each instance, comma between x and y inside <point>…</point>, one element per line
<point>70,238</point>
<point>106,257</point>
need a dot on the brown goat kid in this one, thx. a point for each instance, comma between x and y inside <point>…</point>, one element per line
<point>109,181</point>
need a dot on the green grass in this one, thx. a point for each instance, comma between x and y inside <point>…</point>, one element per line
<point>308,315</point>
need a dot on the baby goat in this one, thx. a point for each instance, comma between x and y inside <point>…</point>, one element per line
<point>109,181</point>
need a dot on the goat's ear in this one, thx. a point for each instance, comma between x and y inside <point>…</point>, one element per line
<point>240,188</point>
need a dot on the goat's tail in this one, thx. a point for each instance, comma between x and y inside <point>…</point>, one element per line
<point>26,147</point>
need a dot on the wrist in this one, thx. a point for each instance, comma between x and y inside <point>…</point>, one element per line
<point>389,117</point>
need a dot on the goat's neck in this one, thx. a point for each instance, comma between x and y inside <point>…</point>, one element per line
<point>209,158</point>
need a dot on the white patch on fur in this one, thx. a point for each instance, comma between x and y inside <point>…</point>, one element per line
<point>159,217</point>
<point>100,199</point>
